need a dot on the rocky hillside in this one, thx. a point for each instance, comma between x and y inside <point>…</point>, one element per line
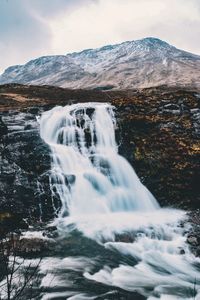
<point>136,64</point>
<point>158,132</point>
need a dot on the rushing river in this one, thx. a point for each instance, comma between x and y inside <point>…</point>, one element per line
<point>118,242</point>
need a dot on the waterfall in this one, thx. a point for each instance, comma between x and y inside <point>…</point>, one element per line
<point>87,172</point>
<point>103,198</point>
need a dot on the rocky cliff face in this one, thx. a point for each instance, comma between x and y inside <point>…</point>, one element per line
<point>136,64</point>
<point>25,161</point>
<point>158,132</point>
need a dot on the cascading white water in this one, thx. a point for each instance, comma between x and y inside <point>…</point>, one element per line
<point>87,172</point>
<point>102,196</point>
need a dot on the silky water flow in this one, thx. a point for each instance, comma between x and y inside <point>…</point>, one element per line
<point>104,200</point>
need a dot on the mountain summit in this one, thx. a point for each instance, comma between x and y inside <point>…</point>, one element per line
<point>133,64</point>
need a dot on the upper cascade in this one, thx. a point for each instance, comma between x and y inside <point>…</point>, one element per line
<point>133,64</point>
<point>85,158</point>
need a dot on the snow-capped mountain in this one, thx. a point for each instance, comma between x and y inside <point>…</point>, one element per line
<point>135,64</point>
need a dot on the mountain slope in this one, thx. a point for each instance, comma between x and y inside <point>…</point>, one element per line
<point>136,64</point>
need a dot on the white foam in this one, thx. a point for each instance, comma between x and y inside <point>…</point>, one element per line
<point>104,199</point>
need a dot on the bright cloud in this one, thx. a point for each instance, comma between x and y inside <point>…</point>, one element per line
<point>41,27</point>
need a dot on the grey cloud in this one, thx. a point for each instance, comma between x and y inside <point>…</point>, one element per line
<point>22,34</point>
<point>24,30</point>
<point>52,7</point>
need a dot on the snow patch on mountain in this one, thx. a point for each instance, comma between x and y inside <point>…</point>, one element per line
<point>133,64</point>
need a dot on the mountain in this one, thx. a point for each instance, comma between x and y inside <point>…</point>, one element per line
<point>135,64</point>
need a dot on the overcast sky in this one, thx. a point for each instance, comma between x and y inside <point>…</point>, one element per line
<point>32,28</point>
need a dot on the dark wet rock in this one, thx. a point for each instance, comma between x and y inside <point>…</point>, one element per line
<point>33,110</point>
<point>19,245</point>
<point>34,246</point>
<point>182,251</point>
<point>195,110</point>
<point>193,236</point>
<point>10,222</point>
<point>171,108</point>
<point>192,240</point>
<point>126,237</point>
<point>171,126</point>
<point>51,232</point>
<point>196,121</point>
<point>28,127</point>
<point>24,158</point>
<point>3,128</point>
<point>70,179</point>
<point>119,295</point>
<point>90,111</point>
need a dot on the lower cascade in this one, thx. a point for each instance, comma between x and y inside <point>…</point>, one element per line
<point>104,200</point>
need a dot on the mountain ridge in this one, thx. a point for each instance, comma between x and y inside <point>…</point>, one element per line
<point>132,64</point>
